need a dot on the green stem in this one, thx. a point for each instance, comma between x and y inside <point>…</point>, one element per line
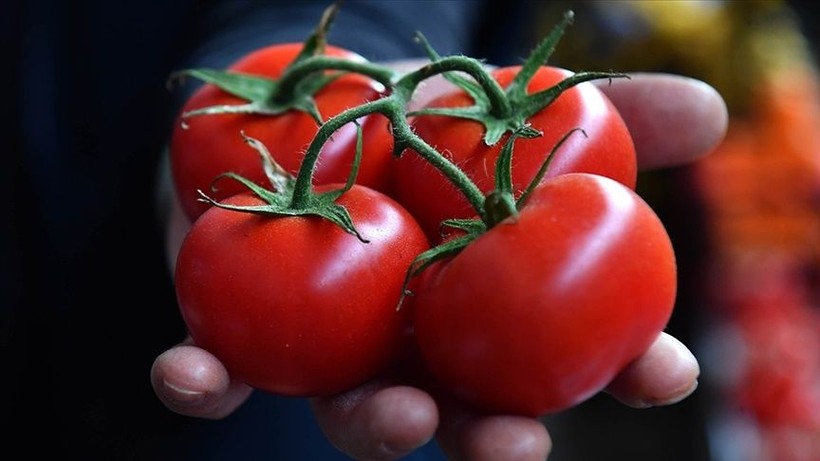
<point>391,107</point>
<point>298,70</point>
<point>302,189</point>
<point>402,130</point>
<point>500,106</point>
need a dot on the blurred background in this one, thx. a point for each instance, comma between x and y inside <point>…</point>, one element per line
<point>749,243</point>
<point>87,301</point>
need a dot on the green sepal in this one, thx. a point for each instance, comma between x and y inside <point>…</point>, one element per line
<point>527,105</point>
<point>539,175</point>
<point>517,90</point>
<point>494,128</point>
<point>246,86</point>
<point>503,165</point>
<point>448,248</point>
<point>533,103</point>
<point>279,199</point>
<point>263,94</point>
<point>445,250</point>
<point>482,109</point>
<point>322,205</point>
<point>471,87</point>
<point>279,178</point>
<point>500,203</point>
<point>316,42</point>
<point>470,225</point>
<point>354,171</point>
<point>519,106</point>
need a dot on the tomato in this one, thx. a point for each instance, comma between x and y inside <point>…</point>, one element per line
<point>545,308</point>
<point>212,144</point>
<point>607,148</point>
<point>296,305</point>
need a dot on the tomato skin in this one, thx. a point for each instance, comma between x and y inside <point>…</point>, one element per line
<point>212,144</point>
<point>607,148</point>
<point>295,305</point>
<point>541,312</point>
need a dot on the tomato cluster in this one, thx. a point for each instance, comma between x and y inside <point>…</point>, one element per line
<point>522,267</point>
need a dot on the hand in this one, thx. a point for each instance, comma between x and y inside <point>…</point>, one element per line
<point>382,420</point>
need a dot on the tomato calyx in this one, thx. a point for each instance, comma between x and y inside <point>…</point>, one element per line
<point>510,111</point>
<point>310,72</point>
<point>500,205</point>
<point>281,198</point>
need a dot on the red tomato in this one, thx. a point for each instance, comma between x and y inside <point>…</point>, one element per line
<point>606,150</point>
<point>543,310</point>
<point>212,144</point>
<point>295,305</point>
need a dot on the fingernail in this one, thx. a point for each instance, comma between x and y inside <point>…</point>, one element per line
<point>393,450</point>
<point>675,398</point>
<point>671,399</point>
<point>180,395</point>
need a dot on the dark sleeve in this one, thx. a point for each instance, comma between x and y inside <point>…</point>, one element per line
<point>87,301</point>
<point>379,30</point>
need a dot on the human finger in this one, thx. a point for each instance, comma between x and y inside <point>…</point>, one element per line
<point>673,119</point>
<point>468,436</point>
<point>377,421</point>
<point>192,382</point>
<point>666,374</point>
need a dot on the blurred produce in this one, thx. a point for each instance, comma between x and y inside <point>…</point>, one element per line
<point>758,297</point>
